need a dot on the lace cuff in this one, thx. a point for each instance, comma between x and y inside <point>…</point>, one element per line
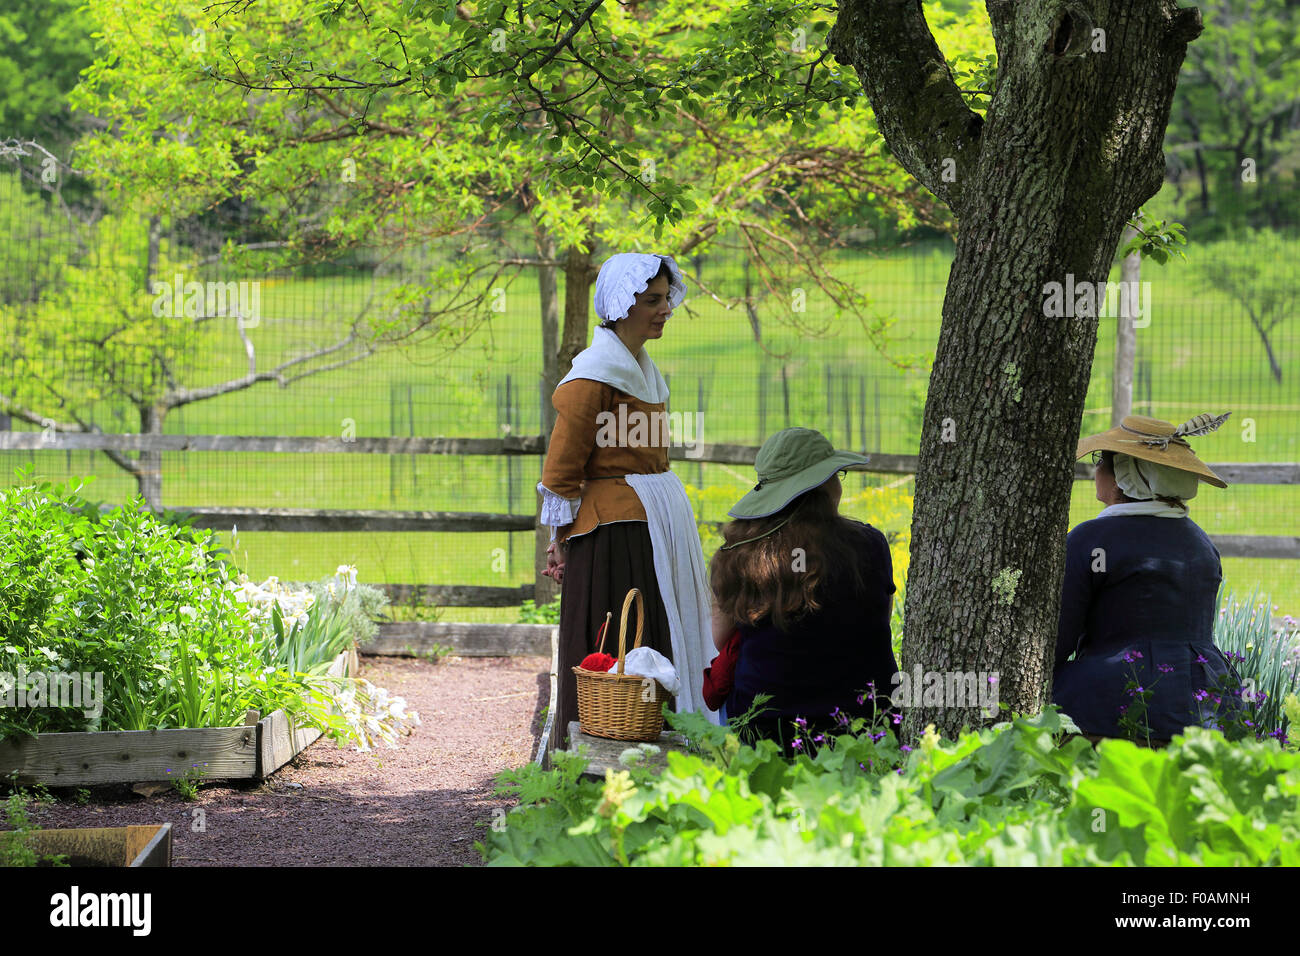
<point>557,511</point>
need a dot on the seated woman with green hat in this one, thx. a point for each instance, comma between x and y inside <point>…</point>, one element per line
<point>810,592</point>
<point>1141,580</point>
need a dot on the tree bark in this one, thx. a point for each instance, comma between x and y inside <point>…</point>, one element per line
<point>579,273</point>
<point>1070,149</point>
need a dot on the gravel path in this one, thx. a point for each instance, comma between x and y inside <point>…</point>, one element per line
<point>416,805</point>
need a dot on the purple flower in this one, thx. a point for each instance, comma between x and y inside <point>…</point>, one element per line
<point>1201,694</point>
<point>861,700</point>
<point>796,745</point>
<point>1165,668</point>
<point>801,722</point>
<point>905,748</point>
<point>898,719</point>
<point>1123,708</point>
<point>818,739</point>
<point>1200,659</point>
<point>1131,656</point>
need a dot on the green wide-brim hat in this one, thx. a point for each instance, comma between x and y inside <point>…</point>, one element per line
<point>791,462</point>
<point>1150,439</point>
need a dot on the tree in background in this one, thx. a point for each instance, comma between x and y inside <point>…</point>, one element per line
<point>1267,294</point>
<point>97,338</point>
<point>406,127</point>
<point>1234,132</point>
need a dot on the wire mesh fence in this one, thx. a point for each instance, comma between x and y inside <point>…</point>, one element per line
<point>125,322</point>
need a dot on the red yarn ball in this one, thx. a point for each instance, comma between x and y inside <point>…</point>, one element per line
<point>598,662</point>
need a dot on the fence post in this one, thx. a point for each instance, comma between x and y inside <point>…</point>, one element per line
<point>544,589</point>
<point>880,441</point>
<point>830,401</point>
<point>510,475</point>
<point>785,394</point>
<point>410,415</point>
<point>699,402</point>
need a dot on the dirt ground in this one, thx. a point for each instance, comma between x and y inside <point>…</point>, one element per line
<point>416,805</point>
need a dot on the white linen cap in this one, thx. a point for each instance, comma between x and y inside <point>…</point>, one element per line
<point>625,274</point>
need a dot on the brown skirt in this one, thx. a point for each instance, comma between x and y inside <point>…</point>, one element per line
<point>599,569</point>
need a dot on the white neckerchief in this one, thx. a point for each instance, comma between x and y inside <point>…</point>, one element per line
<point>1157,508</point>
<point>609,361</point>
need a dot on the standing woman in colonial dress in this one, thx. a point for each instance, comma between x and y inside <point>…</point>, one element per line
<point>1141,580</point>
<point>620,518</point>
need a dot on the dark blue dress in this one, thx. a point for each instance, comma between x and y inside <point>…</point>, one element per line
<point>827,658</point>
<point>1141,584</point>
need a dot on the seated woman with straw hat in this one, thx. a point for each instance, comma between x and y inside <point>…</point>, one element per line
<point>1141,580</point>
<point>810,592</point>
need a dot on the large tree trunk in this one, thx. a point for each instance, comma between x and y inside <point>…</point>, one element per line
<point>580,272</point>
<point>1070,148</point>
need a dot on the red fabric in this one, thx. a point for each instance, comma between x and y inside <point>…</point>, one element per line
<point>721,674</point>
<point>598,662</point>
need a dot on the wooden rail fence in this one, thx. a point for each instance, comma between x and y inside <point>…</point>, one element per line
<point>321,520</point>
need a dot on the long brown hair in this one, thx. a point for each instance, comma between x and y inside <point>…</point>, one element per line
<point>759,578</point>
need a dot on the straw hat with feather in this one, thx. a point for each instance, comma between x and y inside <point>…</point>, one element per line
<point>1150,439</point>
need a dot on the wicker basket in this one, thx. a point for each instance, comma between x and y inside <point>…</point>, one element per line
<point>611,704</point>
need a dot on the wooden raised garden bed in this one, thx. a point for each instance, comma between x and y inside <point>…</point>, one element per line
<point>144,846</point>
<point>256,750</point>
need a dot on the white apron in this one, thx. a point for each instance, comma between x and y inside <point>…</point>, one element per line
<point>683,584</point>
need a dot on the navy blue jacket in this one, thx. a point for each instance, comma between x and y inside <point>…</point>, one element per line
<point>827,658</point>
<point>1140,584</point>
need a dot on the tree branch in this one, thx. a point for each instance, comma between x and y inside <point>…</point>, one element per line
<point>919,107</point>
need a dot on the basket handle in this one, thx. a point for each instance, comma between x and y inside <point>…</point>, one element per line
<point>602,631</point>
<point>622,624</point>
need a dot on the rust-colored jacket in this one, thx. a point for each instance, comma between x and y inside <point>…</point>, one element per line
<point>578,465</point>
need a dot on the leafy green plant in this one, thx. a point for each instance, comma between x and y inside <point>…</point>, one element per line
<point>530,613</point>
<point>1268,659</point>
<point>145,605</point>
<point>433,654</point>
<point>359,606</point>
<point>187,783</point>
<point>311,647</point>
<point>15,848</point>
<point>1023,792</point>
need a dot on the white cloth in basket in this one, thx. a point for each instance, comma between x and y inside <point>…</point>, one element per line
<point>647,662</point>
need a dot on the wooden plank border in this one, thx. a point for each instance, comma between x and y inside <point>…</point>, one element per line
<point>278,741</point>
<point>139,756</point>
<point>129,756</point>
<point>546,744</point>
<point>413,638</point>
<point>149,845</point>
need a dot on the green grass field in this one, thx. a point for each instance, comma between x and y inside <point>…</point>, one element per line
<point>1200,350</point>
